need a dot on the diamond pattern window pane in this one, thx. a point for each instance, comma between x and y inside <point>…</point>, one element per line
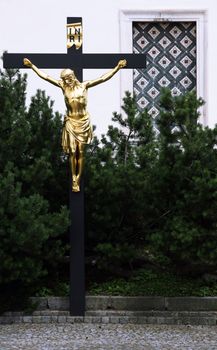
<point>170,49</point>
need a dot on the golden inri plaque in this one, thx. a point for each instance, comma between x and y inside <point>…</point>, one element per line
<point>74,35</point>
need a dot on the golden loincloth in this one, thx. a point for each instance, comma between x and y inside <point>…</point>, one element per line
<point>76,131</point>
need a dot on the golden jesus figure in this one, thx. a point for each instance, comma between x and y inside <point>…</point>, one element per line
<point>77,130</point>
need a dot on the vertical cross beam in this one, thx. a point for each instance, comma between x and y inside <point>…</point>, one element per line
<point>77,229</point>
<point>77,258</point>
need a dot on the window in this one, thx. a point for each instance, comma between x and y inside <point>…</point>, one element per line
<point>170,49</point>
<point>194,61</point>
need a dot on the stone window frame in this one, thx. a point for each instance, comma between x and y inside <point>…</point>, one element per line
<point>126,19</point>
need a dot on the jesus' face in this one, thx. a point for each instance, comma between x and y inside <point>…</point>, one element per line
<point>68,77</point>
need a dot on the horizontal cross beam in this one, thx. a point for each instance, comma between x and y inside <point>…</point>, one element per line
<point>77,60</point>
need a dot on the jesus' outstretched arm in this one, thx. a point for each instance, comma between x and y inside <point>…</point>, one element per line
<point>41,74</point>
<point>107,76</point>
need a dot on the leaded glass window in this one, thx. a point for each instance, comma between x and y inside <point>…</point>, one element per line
<point>170,48</point>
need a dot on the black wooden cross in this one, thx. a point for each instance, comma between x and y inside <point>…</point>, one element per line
<point>78,61</point>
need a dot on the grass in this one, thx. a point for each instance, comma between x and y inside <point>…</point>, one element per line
<point>150,283</point>
<point>143,282</point>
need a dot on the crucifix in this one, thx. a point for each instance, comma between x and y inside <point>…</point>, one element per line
<point>76,118</point>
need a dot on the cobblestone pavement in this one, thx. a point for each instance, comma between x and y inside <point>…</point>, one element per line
<point>106,337</point>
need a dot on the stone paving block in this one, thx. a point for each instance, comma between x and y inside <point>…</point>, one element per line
<point>27,319</point>
<point>192,320</point>
<point>36,319</point>
<point>151,320</point>
<point>58,303</point>
<point>96,313</point>
<point>70,319</point>
<point>165,320</point>
<point>205,321</point>
<point>17,319</point>
<point>124,319</point>
<point>181,319</point>
<point>36,313</point>
<point>142,320</point>
<point>191,303</point>
<point>54,319</point>
<point>146,313</point>
<point>45,319</point>
<point>138,303</point>
<point>186,316</point>
<point>45,312</point>
<point>61,319</point>
<point>6,319</point>
<point>105,319</point>
<point>114,319</point>
<point>161,320</point>
<point>88,319</point>
<point>210,321</point>
<point>79,319</point>
<point>120,313</point>
<point>39,302</point>
<point>186,320</point>
<point>96,319</point>
<point>177,321</point>
<point>204,313</point>
<point>133,320</point>
<point>56,313</point>
<point>98,302</point>
<point>131,303</point>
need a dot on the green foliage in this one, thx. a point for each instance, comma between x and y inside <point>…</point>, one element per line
<point>26,225</point>
<point>187,184</point>
<point>118,256</point>
<point>115,177</point>
<point>155,191</point>
<point>146,282</point>
<point>32,212</point>
<point>151,198</point>
<point>60,289</point>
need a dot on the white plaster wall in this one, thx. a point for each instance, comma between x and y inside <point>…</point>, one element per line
<point>39,26</point>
